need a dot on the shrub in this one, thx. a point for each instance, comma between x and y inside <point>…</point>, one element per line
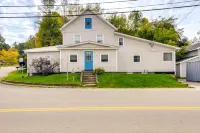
<point>42,66</point>
<point>99,70</point>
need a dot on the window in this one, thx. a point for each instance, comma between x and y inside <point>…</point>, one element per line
<point>88,56</point>
<point>100,38</point>
<point>167,56</point>
<point>73,58</point>
<point>104,58</point>
<point>88,23</point>
<point>48,60</point>
<point>121,41</point>
<point>136,58</point>
<point>77,38</point>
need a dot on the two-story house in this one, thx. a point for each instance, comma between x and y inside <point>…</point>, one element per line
<point>89,41</point>
<point>193,54</point>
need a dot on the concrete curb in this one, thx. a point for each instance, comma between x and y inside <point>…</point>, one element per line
<point>39,84</point>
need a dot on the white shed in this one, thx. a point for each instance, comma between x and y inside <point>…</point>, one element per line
<point>181,66</point>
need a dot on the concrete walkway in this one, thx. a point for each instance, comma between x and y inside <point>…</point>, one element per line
<point>4,71</point>
<point>196,85</point>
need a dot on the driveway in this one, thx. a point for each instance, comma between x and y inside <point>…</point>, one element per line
<point>59,110</point>
<point>4,71</point>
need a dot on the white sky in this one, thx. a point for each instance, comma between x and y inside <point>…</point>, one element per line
<point>15,29</point>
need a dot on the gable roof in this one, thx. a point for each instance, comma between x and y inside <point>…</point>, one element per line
<point>193,47</point>
<point>67,46</point>
<point>92,13</point>
<point>145,40</point>
<point>187,59</point>
<point>43,49</point>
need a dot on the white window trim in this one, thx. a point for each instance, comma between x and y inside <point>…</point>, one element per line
<point>163,56</point>
<point>84,23</point>
<point>104,54</point>
<point>118,41</point>
<point>74,38</point>
<point>69,58</point>
<point>136,55</point>
<point>102,37</point>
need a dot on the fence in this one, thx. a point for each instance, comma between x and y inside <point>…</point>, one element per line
<point>193,71</point>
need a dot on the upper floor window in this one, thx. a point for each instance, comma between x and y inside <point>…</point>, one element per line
<point>167,56</point>
<point>136,58</point>
<point>77,38</point>
<point>88,23</point>
<point>100,38</point>
<point>121,41</point>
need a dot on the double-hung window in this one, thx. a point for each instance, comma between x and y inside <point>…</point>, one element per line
<point>136,58</point>
<point>104,58</point>
<point>167,56</point>
<point>77,38</point>
<point>121,41</point>
<point>100,38</point>
<point>73,58</point>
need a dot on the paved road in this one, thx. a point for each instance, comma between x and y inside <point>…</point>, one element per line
<point>4,71</point>
<point>48,110</point>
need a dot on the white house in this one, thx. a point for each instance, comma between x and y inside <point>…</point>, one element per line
<point>193,54</point>
<point>89,41</point>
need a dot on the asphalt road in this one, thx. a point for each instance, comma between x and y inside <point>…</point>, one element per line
<point>51,110</point>
<point>4,71</point>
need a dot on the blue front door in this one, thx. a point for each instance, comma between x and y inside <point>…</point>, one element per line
<point>88,60</point>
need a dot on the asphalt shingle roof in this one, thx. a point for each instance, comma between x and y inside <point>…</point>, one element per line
<point>193,47</point>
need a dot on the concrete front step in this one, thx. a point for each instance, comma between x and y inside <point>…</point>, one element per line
<point>89,82</point>
<point>89,85</point>
<point>89,79</point>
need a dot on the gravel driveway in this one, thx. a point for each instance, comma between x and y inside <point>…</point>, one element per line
<point>4,71</point>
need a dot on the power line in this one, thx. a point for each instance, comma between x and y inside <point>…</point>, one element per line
<point>116,8</point>
<point>2,24</point>
<point>146,10</point>
<point>187,14</point>
<point>106,2</point>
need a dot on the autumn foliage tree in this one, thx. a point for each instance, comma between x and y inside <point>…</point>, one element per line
<point>9,57</point>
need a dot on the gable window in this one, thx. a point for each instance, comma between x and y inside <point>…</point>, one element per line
<point>136,58</point>
<point>100,38</point>
<point>104,58</point>
<point>77,38</point>
<point>121,41</point>
<point>73,58</point>
<point>167,56</point>
<point>88,23</point>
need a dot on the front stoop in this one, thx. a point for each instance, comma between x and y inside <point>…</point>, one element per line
<point>89,79</point>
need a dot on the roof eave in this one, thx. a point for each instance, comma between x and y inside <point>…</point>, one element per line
<point>141,39</point>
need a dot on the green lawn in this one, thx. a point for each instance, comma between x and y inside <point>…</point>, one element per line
<point>123,80</point>
<point>51,79</point>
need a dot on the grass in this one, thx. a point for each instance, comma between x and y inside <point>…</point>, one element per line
<point>51,79</point>
<point>123,80</point>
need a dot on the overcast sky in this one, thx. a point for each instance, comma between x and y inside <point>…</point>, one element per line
<point>15,29</point>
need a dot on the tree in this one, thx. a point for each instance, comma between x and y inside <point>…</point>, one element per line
<point>120,22</point>
<point>49,6</point>
<point>135,19</point>
<point>30,43</point>
<point>49,33</point>
<point>9,57</point>
<point>181,53</point>
<point>3,45</point>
